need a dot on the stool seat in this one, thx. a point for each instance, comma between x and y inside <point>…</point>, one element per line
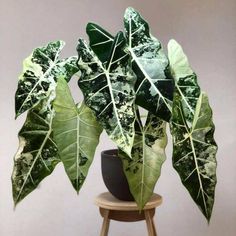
<point>112,208</point>
<point>108,201</point>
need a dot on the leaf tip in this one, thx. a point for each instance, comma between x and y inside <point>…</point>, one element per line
<point>128,151</point>
<point>129,9</point>
<point>17,113</point>
<point>208,218</point>
<point>129,12</point>
<point>172,43</point>
<point>63,43</point>
<point>89,26</point>
<point>15,202</point>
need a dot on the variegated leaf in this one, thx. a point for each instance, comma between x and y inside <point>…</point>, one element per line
<point>148,155</point>
<point>40,71</point>
<point>109,91</point>
<point>192,128</point>
<point>76,133</point>
<point>37,155</point>
<point>100,41</point>
<point>185,79</point>
<point>154,86</point>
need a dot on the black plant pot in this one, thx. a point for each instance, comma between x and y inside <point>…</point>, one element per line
<point>114,177</point>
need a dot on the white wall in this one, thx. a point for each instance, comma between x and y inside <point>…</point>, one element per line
<point>206,29</point>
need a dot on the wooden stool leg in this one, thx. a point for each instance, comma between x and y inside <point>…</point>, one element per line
<point>106,223</point>
<point>150,224</point>
<point>154,228</point>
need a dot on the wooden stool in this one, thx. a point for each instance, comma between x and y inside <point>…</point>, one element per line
<point>113,209</point>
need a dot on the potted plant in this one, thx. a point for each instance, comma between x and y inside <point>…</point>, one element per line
<point>117,75</point>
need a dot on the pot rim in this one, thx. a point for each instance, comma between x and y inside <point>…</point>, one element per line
<point>110,153</point>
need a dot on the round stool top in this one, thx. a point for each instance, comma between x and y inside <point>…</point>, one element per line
<point>107,201</point>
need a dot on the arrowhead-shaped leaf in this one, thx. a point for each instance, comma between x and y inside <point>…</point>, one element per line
<point>40,71</point>
<point>76,133</point>
<point>192,129</point>
<point>148,155</point>
<point>109,91</point>
<point>154,86</point>
<point>37,153</point>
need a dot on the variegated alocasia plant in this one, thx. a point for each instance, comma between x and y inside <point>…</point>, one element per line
<point>161,82</point>
<point>117,74</point>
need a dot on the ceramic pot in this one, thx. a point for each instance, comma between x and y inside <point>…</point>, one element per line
<point>113,175</point>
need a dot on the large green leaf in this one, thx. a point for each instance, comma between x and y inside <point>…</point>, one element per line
<point>76,133</point>
<point>40,71</point>
<point>192,129</point>
<point>109,91</point>
<point>154,86</point>
<point>37,153</point>
<point>148,155</point>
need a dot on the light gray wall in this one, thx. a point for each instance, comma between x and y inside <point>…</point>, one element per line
<point>207,31</point>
